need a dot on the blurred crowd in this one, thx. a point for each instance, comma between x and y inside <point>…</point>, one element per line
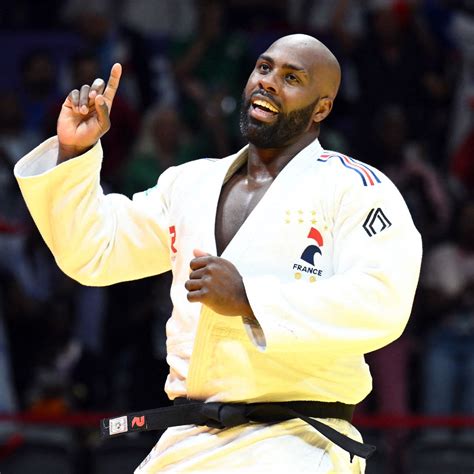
<point>406,106</point>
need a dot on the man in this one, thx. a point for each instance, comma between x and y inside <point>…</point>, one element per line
<point>289,264</point>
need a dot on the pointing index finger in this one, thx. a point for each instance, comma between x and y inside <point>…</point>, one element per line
<point>113,83</point>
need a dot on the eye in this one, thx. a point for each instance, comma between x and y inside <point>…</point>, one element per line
<point>263,67</point>
<point>292,77</point>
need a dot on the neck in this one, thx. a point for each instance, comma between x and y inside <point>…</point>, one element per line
<point>266,163</point>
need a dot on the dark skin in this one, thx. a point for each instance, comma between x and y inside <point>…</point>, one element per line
<point>295,70</point>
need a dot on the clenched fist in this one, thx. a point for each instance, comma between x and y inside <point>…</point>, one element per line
<point>85,115</point>
<point>216,282</point>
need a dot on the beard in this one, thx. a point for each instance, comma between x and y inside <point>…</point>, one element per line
<point>277,134</point>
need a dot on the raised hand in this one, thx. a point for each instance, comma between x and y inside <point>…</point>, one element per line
<point>215,282</point>
<point>85,115</point>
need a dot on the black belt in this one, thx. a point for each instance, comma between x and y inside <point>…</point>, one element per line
<point>227,415</point>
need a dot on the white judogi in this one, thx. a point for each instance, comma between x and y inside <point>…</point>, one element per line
<point>330,261</point>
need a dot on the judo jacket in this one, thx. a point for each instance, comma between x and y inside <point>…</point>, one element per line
<point>330,259</point>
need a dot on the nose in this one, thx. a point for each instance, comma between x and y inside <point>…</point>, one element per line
<point>267,83</point>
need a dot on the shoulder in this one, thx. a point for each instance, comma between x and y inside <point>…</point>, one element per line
<point>190,173</point>
<point>348,169</point>
<point>186,175</point>
<point>203,163</point>
<point>354,179</point>
<point>191,168</point>
<point>361,190</point>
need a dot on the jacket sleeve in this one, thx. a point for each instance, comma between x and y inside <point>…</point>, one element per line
<point>366,303</point>
<point>96,239</point>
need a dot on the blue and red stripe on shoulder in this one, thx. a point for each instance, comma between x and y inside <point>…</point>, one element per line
<point>367,175</point>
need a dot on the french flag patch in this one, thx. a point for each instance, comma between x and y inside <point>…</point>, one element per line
<point>368,177</point>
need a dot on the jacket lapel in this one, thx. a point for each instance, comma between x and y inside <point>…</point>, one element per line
<point>258,225</point>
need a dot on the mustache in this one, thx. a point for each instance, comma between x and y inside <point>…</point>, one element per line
<point>264,93</point>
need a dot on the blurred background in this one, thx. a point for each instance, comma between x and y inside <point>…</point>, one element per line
<point>406,106</point>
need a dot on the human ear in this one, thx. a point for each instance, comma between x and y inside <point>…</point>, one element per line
<point>322,109</point>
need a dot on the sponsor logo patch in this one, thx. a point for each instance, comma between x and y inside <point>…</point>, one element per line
<point>118,425</point>
<point>138,422</point>
<point>173,238</point>
<point>376,222</point>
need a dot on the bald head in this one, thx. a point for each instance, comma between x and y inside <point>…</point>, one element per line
<point>316,57</point>
<point>290,91</point>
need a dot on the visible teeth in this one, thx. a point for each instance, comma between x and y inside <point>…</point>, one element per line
<point>267,105</point>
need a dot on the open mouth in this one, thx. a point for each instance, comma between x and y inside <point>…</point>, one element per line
<point>264,106</point>
<point>263,110</point>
